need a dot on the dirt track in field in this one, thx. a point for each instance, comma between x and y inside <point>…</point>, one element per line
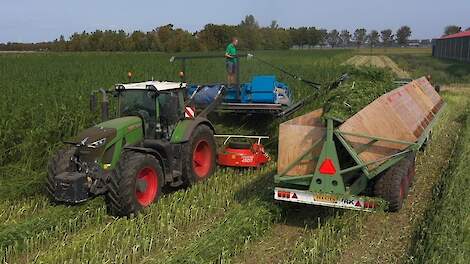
<point>378,61</point>
<point>277,245</point>
<point>387,237</point>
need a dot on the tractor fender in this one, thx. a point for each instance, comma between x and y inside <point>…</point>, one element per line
<point>161,159</point>
<point>185,128</point>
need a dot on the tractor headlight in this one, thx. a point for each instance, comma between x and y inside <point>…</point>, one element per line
<point>97,143</point>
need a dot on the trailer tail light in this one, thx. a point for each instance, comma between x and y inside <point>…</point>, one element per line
<point>369,205</point>
<point>283,194</point>
<point>327,167</point>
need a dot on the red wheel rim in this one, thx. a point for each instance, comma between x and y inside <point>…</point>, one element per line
<point>202,156</point>
<point>149,176</point>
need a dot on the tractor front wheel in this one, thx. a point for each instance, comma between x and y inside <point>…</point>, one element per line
<point>199,155</point>
<point>59,163</point>
<point>135,184</point>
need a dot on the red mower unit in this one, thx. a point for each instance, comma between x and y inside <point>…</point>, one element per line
<point>242,154</point>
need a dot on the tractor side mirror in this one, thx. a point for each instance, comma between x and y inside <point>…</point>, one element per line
<point>104,103</point>
<point>93,102</point>
<point>104,110</point>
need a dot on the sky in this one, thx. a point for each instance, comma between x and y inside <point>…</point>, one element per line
<point>34,21</point>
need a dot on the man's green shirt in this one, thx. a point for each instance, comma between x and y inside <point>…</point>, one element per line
<point>232,51</point>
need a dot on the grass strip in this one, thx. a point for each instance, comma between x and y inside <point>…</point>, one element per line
<point>249,221</point>
<point>444,236</point>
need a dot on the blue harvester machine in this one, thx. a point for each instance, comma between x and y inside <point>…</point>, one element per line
<point>264,94</point>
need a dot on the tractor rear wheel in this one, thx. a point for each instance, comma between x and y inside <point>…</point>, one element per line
<point>135,184</point>
<point>59,163</point>
<point>393,185</point>
<point>199,155</point>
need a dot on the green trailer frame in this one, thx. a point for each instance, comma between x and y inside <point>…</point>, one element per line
<point>330,188</point>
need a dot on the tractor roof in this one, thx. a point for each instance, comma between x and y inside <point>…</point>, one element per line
<point>160,86</point>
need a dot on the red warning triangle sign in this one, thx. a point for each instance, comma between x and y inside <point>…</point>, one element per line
<point>294,196</point>
<point>327,167</point>
<point>358,204</point>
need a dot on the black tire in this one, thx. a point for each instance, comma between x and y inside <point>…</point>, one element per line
<point>239,145</point>
<point>393,185</point>
<point>59,163</point>
<point>191,168</point>
<point>411,169</point>
<point>123,197</point>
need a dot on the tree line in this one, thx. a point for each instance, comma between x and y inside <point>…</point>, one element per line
<point>453,29</point>
<point>214,37</point>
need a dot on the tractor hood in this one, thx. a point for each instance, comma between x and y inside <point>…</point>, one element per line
<point>123,123</point>
<point>92,141</point>
<point>110,129</point>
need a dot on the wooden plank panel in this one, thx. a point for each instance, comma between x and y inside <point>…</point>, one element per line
<point>377,119</point>
<point>295,137</point>
<point>401,114</point>
<point>429,91</point>
<point>406,109</point>
<point>420,98</point>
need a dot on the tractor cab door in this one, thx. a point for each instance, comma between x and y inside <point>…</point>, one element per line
<point>169,113</point>
<point>141,103</point>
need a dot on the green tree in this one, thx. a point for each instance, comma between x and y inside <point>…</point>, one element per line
<point>216,37</point>
<point>387,37</point>
<point>249,33</point>
<point>319,37</point>
<point>274,37</point>
<point>154,41</point>
<point>360,36</point>
<point>373,38</point>
<point>138,42</point>
<point>59,44</point>
<point>333,38</point>
<point>452,29</point>
<point>345,38</point>
<point>403,35</point>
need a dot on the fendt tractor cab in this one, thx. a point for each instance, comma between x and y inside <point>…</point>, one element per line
<point>151,143</point>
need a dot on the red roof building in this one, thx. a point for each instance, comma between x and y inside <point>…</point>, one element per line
<point>458,35</point>
<point>455,46</point>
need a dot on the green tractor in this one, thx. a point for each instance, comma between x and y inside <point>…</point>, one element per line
<point>155,141</point>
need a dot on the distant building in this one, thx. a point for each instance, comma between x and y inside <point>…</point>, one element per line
<point>414,43</point>
<point>425,43</point>
<point>455,46</point>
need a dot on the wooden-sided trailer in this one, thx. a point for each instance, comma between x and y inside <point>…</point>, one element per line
<point>372,154</point>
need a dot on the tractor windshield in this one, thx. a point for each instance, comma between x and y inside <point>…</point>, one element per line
<point>137,103</point>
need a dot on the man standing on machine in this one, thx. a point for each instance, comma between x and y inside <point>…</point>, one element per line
<point>231,61</point>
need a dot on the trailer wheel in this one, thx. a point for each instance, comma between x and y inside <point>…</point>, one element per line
<point>393,185</point>
<point>59,163</point>
<point>199,155</point>
<point>411,169</point>
<point>135,184</point>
